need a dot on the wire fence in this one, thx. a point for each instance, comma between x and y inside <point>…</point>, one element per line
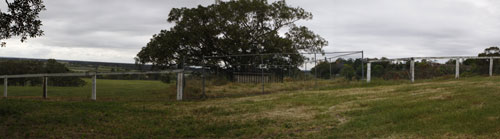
<point>250,74</point>
<point>126,86</point>
<point>416,68</point>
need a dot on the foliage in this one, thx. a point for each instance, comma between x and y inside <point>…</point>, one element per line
<point>167,78</point>
<point>396,75</point>
<point>219,81</point>
<point>348,72</point>
<point>21,19</point>
<point>378,70</point>
<point>482,66</point>
<point>323,69</point>
<point>232,28</point>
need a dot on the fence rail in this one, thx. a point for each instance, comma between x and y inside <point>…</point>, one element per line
<point>87,74</point>
<point>415,58</point>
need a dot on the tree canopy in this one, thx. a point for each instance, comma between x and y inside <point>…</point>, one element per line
<point>21,19</point>
<point>491,51</point>
<point>229,28</point>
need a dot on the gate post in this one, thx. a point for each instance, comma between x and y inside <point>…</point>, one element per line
<point>45,82</point>
<point>5,79</point>
<point>94,88</point>
<point>457,68</point>
<point>412,70</point>
<point>180,85</point>
<point>368,72</point>
<point>491,67</point>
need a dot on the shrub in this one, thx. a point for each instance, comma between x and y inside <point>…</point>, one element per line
<point>166,78</point>
<point>395,75</point>
<point>192,89</point>
<point>219,81</point>
<point>348,72</point>
<point>378,70</point>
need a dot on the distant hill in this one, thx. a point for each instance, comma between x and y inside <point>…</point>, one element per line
<point>82,66</point>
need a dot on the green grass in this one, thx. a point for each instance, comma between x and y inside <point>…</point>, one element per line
<point>440,108</point>
<point>107,90</point>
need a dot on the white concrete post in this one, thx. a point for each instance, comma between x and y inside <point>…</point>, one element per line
<point>180,85</point>
<point>5,86</point>
<point>457,68</point>
<point>412,70</point>
<point>491,67</point>
<point>94,88</point>
<point>368,72</point>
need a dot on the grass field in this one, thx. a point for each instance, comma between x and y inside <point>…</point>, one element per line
<point>465,108</point>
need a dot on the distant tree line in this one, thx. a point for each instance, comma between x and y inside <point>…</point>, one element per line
<point>17,67</point>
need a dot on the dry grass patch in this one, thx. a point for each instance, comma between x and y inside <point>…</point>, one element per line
<point>301,112</point>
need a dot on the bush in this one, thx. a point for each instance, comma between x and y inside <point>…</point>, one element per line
<point>219,81</point>
<point>288,79</point>
<point>395,75</point>
<point>192,89</point>
<point>348,72</point>
<point>378,70</point>
<point>167,78</point>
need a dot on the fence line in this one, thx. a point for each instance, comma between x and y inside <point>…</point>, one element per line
<point>94,79</point>
<point>412,64</point>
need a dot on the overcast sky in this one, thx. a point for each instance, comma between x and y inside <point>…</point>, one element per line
<point>116,30</point>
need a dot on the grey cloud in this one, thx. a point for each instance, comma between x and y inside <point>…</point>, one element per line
<point>405,28</point>
<point>122,24</point>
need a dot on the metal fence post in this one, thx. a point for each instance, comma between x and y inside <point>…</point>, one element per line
<point>94,88</point>
<point>45,82</point>
<point>262,72</point>
<point>368,72</point>
<point>330,63</point>
<point>305,71</point>
<point>5,83</point>
<point>203,76</point>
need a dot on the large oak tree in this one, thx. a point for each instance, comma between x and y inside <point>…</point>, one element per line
<point>233,28</point>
